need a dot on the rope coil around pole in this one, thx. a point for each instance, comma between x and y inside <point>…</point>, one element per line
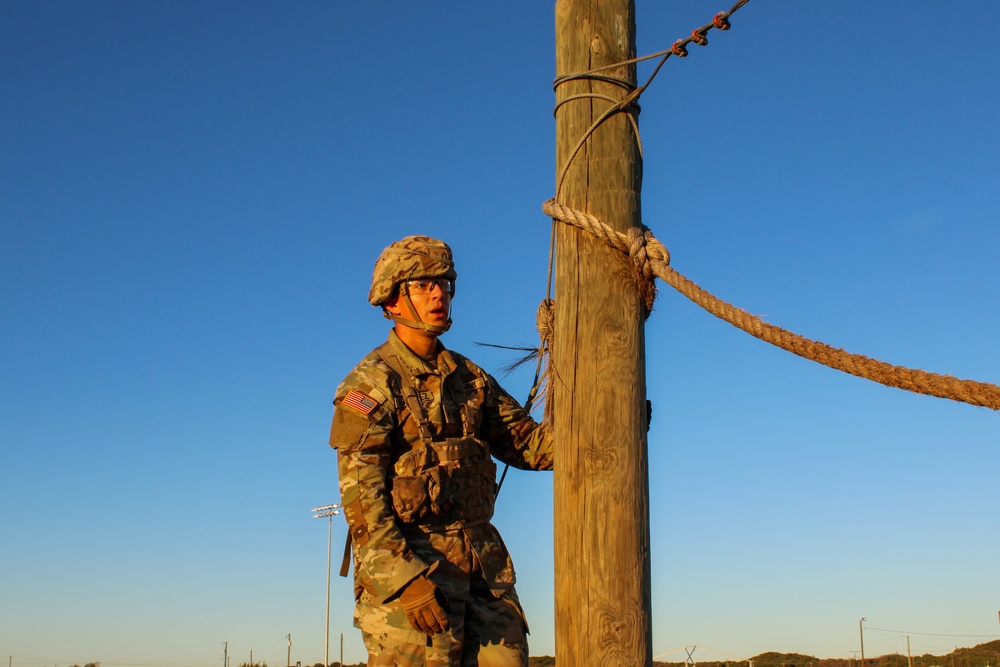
<point>657,259</point>
<point>628,105</point>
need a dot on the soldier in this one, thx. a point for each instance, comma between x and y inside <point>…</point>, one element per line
<point>416,426</point>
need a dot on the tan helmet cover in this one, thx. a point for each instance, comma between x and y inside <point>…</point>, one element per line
<point>408,259</point>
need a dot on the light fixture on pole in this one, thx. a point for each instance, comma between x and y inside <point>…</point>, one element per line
<point>318,513</point>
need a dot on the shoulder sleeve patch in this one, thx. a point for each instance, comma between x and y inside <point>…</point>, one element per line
<point>359,402</point>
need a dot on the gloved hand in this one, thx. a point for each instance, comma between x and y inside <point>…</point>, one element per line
<point>422,607</point>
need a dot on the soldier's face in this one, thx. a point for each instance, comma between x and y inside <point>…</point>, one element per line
<point>432,307</point>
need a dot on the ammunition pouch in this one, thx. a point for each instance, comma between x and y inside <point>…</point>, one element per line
<point>445,482</point>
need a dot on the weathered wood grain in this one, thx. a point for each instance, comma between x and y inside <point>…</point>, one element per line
<point>602,597</point>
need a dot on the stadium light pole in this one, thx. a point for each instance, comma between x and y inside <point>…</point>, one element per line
<point>861,631</point>
<point>318,513</point>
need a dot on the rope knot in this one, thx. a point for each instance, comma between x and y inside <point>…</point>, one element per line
<point>545,321</point>
<point>637,238</point>
<point>645,250</point>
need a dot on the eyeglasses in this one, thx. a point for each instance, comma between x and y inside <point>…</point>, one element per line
<point>427,285</point>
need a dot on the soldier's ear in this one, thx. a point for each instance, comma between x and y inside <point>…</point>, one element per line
<point>392,305</point>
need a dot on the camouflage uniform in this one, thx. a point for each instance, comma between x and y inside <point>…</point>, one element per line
<point>415,439</point>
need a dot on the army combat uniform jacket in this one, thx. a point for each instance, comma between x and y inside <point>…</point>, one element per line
<point>415,439</point>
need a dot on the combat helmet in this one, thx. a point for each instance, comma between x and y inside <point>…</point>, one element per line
<point>408,259</point>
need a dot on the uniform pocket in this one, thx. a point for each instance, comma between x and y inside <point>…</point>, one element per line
<point>439,491</point>
<point>409,498</point>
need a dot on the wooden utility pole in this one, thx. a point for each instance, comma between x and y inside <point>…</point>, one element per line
<point>602,590</point>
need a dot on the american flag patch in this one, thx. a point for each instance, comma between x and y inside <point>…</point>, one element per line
<point>358,401</point>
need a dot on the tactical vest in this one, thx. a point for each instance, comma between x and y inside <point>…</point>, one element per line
<point>443,483</point>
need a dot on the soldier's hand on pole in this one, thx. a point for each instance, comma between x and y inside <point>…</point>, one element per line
<point>422,606</point>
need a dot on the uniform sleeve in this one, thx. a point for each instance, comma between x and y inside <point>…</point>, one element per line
<point>363,445</point>
<point>514,437</point>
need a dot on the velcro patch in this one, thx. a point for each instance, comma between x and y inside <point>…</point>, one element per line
<point>474,384</point>
<point>359,402</point>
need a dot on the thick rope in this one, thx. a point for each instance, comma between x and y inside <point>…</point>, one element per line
<point>657,260</point>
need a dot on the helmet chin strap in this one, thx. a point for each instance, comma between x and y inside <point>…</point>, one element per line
<point>436,329</point>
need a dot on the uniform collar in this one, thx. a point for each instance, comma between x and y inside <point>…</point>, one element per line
<point>416,364</point>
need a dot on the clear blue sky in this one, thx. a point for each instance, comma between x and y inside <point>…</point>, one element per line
<point>192,197</point>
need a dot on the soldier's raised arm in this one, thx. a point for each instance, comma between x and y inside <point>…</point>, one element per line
<point>514,437</point>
